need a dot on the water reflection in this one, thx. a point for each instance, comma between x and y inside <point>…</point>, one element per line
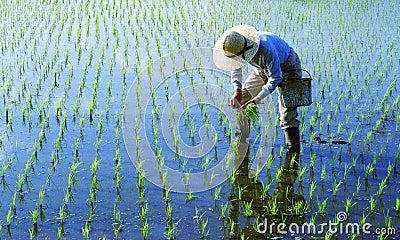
<point>254,213</point>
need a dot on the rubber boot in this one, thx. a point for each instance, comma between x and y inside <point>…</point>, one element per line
<point>292,139</point>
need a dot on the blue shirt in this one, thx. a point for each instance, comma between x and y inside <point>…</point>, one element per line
<point>272,52</point>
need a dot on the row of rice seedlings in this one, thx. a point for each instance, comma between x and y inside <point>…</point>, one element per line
<point>92,196</point>
<point>23,180</point>
<point>170,225</point>
<point>203,222</point>
<point>117,225</point>
<point>68,192</point>
<point>141,192</point>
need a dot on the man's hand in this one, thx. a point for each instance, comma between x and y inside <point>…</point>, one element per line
<point>247,103</point>
<point>238,97</point>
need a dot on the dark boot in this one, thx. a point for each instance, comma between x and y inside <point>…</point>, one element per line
<point>292,139</point>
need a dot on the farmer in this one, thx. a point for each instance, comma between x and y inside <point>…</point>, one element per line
<point>274,61</point>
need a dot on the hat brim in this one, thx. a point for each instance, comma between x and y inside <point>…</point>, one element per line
<point>231,63</point>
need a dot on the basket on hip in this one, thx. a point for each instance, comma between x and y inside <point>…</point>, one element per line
<point>296,92</point>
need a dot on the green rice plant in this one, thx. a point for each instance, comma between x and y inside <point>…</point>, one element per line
<point>339,129</point>
<point>388,220</point>
<point>336,186</point>
<point>85,232</point>
<point>313,156</point>
<point>281,151</point>
<point>67,195</point>
<point>62,215</point>
<point>312,122</point>
<point>389,171</point>
<point>232,228</point>
<point>382,186</point>
<point>145,229</point>
<point>247,207</point>
<point>299,207</point>
<point>224,207</point>
<point>4,167</point>
<point>264,193</point>
<point>269,161</point>
<point>8,217</point>
<point>321,206</point>
<point>204,231</point>
<point>143,210</point>
<point>323,172</point>
<point>34,216</point>
<point>369,134</point>
<point>252,112</point>
<point>60,232</point>
<point>190,196</point>
<point>328,235</point>
<point>41,195</point>
<point>241,190</point>
<point>217,192</point>
<point>169,210</point>
<point>273,207</point>
<point>197,217</point>
<point>313,186</point>
<point>346,171</point>
<point>370,168</point>
<point>117,225</point>
<point>171,231</point>
<point>301,173</point>
<point>372,204</point>
<point>20,183</point>
<point>206,162</point>
<point>363,219</point>
<point>13,205</point>
<point>349,204</point>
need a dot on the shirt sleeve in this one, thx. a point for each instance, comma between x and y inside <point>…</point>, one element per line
<point>270,62</point>
<point>274,69</point>
<point>236,78</point>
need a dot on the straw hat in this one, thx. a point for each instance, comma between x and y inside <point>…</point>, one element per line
<point>236,47</point>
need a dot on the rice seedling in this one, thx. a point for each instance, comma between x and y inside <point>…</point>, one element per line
<point>34,216</point>
<point>224,207</point>
<point>86,232</point>
<point>370,168</point>
<point>204,231</point>
<point>323,172</point>
<point>349,204</point>
<point>8,217</point>
<point>217,192</point>
<point>322,206</point>
<point>346,171</point>
<point>41,195</point>
<point>269,161</point>
<point>336,186</point>
<point>301,173</point>
<point>313,156</point>
<point>312,189</point>
<point>248,208</point>
<point>252,113</point>
<point>382,186</point>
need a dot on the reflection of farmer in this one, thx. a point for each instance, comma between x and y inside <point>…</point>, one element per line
<point>280,208</point>
<point>274,61</point>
